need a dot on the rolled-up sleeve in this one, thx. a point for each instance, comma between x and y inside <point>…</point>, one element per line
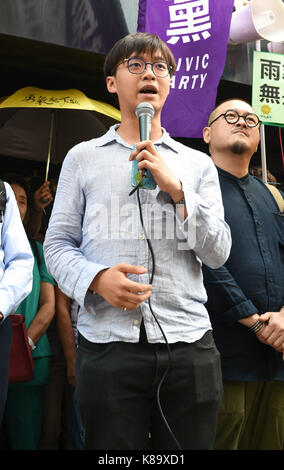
<point>227,302</point>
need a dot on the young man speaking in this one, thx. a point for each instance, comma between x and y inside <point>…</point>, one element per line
<point>129,320</point>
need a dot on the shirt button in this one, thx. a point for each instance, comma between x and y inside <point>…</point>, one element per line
<point>136,322</point>
<point>142,236</point>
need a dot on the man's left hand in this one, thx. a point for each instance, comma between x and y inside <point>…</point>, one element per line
<point>273,333</point>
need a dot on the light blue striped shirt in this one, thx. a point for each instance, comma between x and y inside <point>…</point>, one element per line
<point>16,258</point>
<point>95,224</point>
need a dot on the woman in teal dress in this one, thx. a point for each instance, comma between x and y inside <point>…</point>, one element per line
<point>25,399</point>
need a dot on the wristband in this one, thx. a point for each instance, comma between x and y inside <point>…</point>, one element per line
<point>257,326</point>
<point>181,201</point>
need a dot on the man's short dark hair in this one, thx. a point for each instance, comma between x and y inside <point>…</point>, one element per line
<point>137,42</point>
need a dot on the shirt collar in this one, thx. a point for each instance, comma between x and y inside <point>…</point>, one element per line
<point>228,175</point>
<point>111,136</point>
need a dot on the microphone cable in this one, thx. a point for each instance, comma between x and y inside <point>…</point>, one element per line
<point>156,319</point>
<point>144,175</point>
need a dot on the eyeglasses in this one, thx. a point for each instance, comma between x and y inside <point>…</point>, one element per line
<point>232,117</point>
<point>137,66</point>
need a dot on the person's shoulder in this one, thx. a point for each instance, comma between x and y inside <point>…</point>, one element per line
<point>85,148</point>
<point>258,182</point>
<point>187,150</point>
<point>193,156</point>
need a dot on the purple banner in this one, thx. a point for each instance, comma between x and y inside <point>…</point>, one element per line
<point>197,33</point>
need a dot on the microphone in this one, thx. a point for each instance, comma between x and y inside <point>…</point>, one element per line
<point>145,112</point>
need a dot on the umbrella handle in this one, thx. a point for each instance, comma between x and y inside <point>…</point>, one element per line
<point>49,144</point>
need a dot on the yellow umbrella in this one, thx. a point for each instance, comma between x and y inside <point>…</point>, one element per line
<point>31,97</point>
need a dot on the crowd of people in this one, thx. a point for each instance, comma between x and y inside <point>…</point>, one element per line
<point>136,329</point>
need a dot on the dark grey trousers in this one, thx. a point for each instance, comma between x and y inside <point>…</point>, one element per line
<point>116,389</point>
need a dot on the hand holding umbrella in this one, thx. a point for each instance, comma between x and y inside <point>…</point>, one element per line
<point>42,197</point>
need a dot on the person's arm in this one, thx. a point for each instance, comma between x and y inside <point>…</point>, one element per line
<point>64,235</point>
<point>202,221</point>
<point>205,227</point>
<point>65,332</point>
<point>42,198</point>
<point>228,304</point>
<point>45,313</point>
<point>17,259</point>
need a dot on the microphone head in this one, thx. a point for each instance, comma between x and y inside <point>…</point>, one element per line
<point>144,108</point>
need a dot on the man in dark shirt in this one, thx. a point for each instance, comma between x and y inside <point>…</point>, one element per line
<point>246,295</point>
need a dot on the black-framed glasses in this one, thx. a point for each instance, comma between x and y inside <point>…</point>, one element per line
<point>137,66</point>
<point>232,117</point>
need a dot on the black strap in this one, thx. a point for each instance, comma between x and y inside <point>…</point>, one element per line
<point>3,198</point>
